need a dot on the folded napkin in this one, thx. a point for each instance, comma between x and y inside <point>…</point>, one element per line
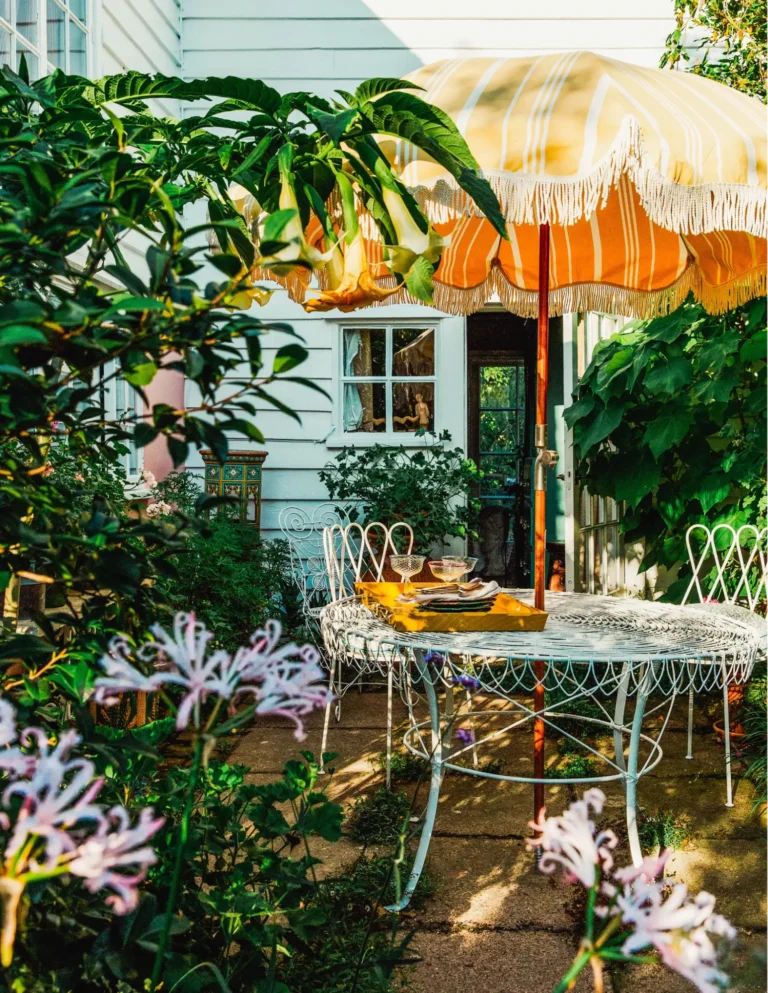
<point>452,592</point>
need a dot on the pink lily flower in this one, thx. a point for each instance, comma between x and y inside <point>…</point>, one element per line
<point>104,852</point>
<point>57,797</point>
<point>570,840</point>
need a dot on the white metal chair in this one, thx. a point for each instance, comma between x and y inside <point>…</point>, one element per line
<point>304,533</point>
<point>729,571</point>
<point>352,552</point>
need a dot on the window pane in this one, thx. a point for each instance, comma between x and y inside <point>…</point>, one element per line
<point>365,352</point>
<point>413,406</point>
<point>26,19</point>
<point>499,475</point>
<point>80,9</point>
<point>5,47</point>
<point>32,64</point>
<point>56,36</point>
<point>413,352</point>
<point>5,10</point>
<point>78,61</point>
<point>498,430</point>
<point>498,386</point>
<point>365,407</point>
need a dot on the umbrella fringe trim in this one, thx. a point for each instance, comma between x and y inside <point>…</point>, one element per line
<point>527,199</point>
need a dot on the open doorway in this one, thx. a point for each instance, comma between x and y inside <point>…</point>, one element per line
<point>501,352</point>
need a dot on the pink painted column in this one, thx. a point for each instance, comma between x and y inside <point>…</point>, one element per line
<point>166,387</point>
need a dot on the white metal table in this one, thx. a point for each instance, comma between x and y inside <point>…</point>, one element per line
<point>602,648</point>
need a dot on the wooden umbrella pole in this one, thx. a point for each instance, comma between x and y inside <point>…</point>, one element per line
<point>540,502</point>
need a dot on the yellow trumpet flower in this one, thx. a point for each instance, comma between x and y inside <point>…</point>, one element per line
<point>356,288</point>
<point>412,241</point>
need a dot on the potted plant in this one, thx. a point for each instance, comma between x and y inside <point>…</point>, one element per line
<point>430,488</point>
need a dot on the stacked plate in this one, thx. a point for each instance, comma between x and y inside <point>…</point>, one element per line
<point>454,598</point>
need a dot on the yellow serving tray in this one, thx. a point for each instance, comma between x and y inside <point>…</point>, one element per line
<point>506,614</point>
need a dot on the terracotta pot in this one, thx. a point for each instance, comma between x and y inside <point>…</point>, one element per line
<point>736,730</point>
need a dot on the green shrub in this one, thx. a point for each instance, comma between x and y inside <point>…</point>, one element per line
<point>378,818</point>
<point>573,767</point>
<point>756,739</point>
<point>234,581</point>
<point>665,829</point>
<point>405,767</point>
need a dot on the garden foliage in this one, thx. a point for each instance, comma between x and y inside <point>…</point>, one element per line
<point>670,418</point>
<point>431,488</point>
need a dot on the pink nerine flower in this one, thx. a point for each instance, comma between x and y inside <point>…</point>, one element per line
<point>7,723</point>
<point>678,928</point>
<point>285,681</point>
<point>98,858</point>
<point>570,840</point>
<point>56,798</point>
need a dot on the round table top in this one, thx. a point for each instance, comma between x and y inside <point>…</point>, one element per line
<point>581,628</point>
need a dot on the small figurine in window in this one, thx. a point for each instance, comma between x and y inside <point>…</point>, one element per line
<point>557,576</point>
<point>422,411</point>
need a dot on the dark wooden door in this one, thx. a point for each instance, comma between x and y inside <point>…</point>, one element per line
<point>499,365</point>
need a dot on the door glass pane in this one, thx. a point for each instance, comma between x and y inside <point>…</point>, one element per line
<point>365,407</point>
<point>413,406</point>
<point>26,19</point>
<point>498,431</point>
<point>413,352</point>
<point>32,62</point>
<point>78,58</point>
<point>56,36</point>
<point>80,9</point>
<point>500,475</point>
<point>365,352</point>
<point>498,386</point>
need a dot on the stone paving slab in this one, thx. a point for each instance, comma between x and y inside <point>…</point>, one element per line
<point>266,749</point>
<point>465,961</point>
<point>486,882</point>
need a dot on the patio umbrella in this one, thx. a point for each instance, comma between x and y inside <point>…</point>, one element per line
<point>624,189</point>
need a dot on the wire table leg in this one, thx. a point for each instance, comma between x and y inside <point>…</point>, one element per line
<point>435,782</point>
<point>389,722</point>
<point>327,719</point>
<point>727,729</point>
<point>632,763</point>
<point>618,718</point>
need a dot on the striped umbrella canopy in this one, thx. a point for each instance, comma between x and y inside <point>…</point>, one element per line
<point>653,184</point>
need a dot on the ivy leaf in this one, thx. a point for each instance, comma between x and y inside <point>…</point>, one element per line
<point>619,362</point>
<point>606,421</point>
<point>713,488</point>
<point>669,377</point>
<point>668,429</point>
<point>718,389</point>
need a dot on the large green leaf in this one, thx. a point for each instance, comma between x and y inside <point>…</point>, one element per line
<point>581,408</point>
<point>376,87</point>
<point>600,426</point>
<point>419,279</point>
<point>669,377</point>
<point>667,429</point>
<point>755,347</point>
<point>635,477</point>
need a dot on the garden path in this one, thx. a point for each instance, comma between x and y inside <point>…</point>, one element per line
<point>496,924</point>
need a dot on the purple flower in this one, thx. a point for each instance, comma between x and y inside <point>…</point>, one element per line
<point>434,658</point>
<point>465,735</point>
<point>104,852</point>
<point>467,681</point>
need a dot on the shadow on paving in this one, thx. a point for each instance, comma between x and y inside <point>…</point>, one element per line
<point>497,924</point>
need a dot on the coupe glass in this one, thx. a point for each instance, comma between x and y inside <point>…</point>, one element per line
<point>466,561</point>
<point>447,570</point>
<point>406,565</point>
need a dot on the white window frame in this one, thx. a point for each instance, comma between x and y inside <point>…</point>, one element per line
<point>340,438</point>
<point>120,397</point>
<point>40,49</point>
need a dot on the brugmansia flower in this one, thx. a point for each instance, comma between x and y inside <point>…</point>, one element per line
<point>297,251</point>
<point>286,681</point>
<point>412,242</point>
<point>356,286</point>
<point>642,911</point>
<point>59,829</point>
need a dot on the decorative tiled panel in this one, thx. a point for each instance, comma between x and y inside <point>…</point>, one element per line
<point>239,477</point>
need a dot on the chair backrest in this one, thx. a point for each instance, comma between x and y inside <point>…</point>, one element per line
<point>353,551</point>
<point>304,533</point>
<point>729,565</point>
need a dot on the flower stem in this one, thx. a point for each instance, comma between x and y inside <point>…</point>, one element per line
<point>597,973</point>
<point>173,893</point>
<point>10,896</point>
